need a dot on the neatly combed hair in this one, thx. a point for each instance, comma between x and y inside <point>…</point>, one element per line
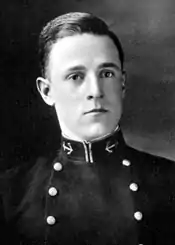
<point>68,25</point>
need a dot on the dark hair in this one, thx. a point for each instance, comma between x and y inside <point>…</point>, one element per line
<point>68,25</point>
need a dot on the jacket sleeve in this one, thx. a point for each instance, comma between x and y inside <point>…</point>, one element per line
<point>2,216</point>
<point>3,225</point>
<point>5,232</point>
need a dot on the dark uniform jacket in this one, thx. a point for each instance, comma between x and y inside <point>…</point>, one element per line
<point>100,193</point>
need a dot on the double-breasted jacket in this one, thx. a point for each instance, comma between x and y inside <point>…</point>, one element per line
<point>98,193</point>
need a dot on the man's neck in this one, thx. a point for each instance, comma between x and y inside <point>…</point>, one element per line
<point>72,136</point>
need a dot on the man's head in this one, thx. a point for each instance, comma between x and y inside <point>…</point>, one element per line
<point>82,74</point>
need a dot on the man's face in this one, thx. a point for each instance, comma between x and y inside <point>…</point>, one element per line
<point>85,75</point>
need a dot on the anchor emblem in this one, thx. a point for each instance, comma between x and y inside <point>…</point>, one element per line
<point>109,147</point>
<point>67,148</point>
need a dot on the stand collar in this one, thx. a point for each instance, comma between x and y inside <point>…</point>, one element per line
<point>92,151</point>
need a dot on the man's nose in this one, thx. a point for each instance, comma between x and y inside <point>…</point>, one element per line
<point>95,88</point>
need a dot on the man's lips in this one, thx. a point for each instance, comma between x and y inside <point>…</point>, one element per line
<point>97,110</point>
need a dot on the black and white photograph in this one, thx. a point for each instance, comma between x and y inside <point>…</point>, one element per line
<point>87,132</point>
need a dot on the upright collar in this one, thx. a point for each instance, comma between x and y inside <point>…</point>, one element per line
<point>92,151</point>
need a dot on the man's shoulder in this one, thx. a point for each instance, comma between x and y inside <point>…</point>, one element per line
<point>22,173</point>
<point>150,164</point>
<point>143,156</point>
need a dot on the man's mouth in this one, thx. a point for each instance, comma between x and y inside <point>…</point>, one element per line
<point>97,110</point>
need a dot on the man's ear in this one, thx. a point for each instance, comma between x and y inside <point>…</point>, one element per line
<point>44,88</point>
<point>123,83</point>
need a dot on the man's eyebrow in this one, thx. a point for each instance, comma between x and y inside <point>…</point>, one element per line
<point>110,64</point>
<point>103,65</point>
<point>75,68</point>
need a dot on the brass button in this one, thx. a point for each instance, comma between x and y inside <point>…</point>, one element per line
<point>138,215</point>
<point>133,187</point>
<point>57,166</point>
<point>51,220</point>
<point>126,163</point>
<point>52,191</point>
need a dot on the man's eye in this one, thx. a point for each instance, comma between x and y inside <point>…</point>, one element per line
<point>75,77</point>
<point>107,74</point>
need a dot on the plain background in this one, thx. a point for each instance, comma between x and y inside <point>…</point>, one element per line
<point>147,32</point>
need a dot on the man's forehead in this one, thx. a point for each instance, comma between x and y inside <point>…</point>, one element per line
<point>84,50</point>
<point>84,44</point>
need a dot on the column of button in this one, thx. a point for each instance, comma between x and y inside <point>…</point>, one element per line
<point>51,220</point>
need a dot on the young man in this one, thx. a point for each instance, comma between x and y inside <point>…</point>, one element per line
<point>96,190</point>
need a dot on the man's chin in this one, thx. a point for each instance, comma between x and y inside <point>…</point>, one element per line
<point>96,132</point>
